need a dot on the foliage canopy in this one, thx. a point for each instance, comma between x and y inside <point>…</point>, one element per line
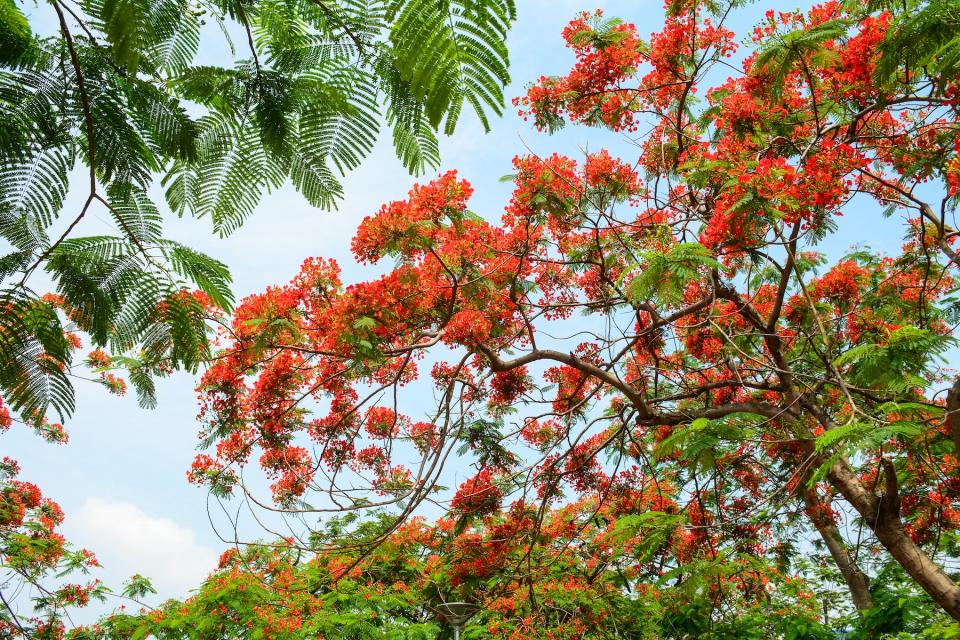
<point>124,89</point>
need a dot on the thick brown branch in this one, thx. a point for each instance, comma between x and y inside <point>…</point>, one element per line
<point>498,364</point>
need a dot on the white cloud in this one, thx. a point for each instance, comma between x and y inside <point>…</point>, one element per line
<point>127,540</point>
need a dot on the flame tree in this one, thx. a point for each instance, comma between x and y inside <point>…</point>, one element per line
<point>663,338</point>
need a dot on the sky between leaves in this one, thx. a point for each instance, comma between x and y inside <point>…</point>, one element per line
<point>121,479</point>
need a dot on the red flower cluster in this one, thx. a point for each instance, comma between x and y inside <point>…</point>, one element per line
<point>477,496</point>
<point>843,283</point>
<point>507,386</point>
<point>608,53</point>
<point>406,227</point>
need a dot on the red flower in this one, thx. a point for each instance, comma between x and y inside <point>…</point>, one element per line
<point>478,496</point>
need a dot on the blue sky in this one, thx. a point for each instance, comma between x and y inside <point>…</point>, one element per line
<point>121,480</point>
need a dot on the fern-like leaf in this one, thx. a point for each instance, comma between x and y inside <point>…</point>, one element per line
<point>452,51</point>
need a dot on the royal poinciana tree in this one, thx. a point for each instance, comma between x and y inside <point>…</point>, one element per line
<point>664,333</point>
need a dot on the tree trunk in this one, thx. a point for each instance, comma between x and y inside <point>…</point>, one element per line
<point>928,575</point>
<point>857,582</point>
<point>882,515</point>
<point>953,415</point>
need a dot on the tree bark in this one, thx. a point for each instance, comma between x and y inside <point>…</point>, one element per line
<point>882,515</point>
<point>928,575</point>
<point>953,415</point>
<point>857,581</point>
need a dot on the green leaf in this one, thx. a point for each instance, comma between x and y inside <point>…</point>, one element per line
<point>802,47</point>
<point>451,52</point>
<point>127,25</point>
<point>663,276</point>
